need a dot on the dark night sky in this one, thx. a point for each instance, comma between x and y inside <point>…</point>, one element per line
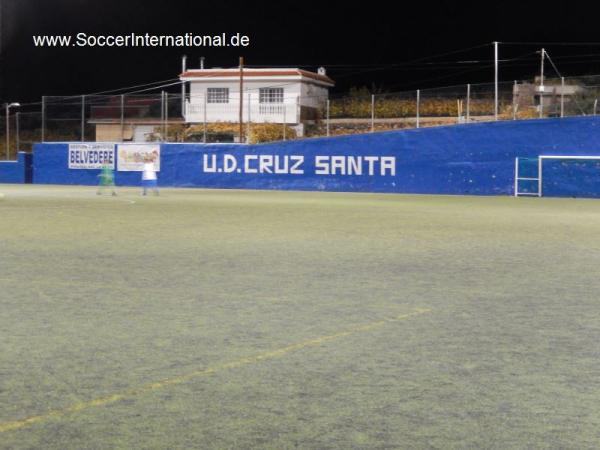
<point>299,33</point>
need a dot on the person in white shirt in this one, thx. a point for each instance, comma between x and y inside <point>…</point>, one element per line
<point>149,179</point>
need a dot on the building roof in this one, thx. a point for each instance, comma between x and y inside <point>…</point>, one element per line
<point>256,73</point>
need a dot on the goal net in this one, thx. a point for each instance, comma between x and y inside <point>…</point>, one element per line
<point>558,176</point>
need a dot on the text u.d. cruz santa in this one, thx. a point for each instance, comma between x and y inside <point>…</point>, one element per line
<point>298,164</point>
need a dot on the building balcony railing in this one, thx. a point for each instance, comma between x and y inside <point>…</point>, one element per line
<point>286,112</point>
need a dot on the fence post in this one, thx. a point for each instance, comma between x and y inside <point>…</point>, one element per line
<point>468,103</point>
<point>298,111</point>
<point>495,80</point>
<point>372,112</point>
<point>162,115</point>
<point>43,118</point>
<point>284,121</point>
<point>83,118</point>
<point>327,114</point>
<point>514,108</point>
<point>204,137</point>
<point>562,96</point>
<point>418,105</point>
<point>17,131</point>
<point>7,132</point>
<point>122,117</point>
<point>248,119</point>
<point>166,116</point>
<point>542,86</point>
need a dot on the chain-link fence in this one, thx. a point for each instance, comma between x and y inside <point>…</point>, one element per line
<point>167,116</point>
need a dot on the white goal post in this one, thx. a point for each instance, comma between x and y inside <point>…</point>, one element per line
<point>540,172</point>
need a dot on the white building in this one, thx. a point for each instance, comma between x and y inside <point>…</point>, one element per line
<point>273,95</point>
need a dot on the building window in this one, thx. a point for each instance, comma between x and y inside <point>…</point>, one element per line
<point>271,95</point>
<point>217,95</point>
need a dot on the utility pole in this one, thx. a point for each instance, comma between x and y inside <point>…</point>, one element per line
<point>542,84</point>
<point>241,99</point>
<point>495,80</point>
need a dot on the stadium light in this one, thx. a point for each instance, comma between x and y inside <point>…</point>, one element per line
<point>8,106</point>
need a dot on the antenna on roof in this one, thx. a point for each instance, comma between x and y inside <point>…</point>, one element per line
<point>202,62</point>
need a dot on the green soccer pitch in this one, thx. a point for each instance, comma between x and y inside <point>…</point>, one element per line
<point>238,319</point>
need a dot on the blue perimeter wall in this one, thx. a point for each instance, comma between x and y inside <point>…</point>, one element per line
<point>19,171</point>
<point>461,159</point>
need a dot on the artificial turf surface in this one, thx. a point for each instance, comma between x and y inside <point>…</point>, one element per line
<point>238,319</point>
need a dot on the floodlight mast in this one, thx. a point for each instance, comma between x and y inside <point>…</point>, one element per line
<point>8,106</point>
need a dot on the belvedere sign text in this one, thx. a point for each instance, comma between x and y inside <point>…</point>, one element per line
<point>91,156</point>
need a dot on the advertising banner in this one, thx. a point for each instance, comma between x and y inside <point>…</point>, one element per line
<point>91,155</point>
<point>131,157</point>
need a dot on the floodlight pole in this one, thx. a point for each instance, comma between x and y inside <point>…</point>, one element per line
<point>495,80</point>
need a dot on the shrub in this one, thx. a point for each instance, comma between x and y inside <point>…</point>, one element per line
<point>259,132</point>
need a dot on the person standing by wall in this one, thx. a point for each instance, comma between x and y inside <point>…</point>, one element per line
<point>149,178</point>
<point>107,179</point>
